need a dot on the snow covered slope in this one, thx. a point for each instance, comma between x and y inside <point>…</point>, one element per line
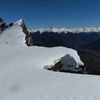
<point>13,35</point>
<point>22,76</point>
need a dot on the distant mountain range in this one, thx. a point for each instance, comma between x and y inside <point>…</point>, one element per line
<point>67,30</point>
<point>94,46</point>
<point>83,38</point>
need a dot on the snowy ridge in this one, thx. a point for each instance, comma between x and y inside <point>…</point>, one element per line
<point>19,22</point>
<point>13,34</point>
<point>22,76</point>
<point>66,30</point>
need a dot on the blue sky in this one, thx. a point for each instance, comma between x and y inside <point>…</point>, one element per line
<point>55,13</point>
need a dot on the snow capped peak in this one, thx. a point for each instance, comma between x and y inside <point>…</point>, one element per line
<point>14,34</point>
<point>66,30</point>
<point>19,22</point>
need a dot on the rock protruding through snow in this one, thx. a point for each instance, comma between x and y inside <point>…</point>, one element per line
<point>69,62</point>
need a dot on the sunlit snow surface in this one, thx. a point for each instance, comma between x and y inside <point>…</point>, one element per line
<point>22,76</point>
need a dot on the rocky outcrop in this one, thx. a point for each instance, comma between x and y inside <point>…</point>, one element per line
<point>3,25</point>
<point>28,36</point>
<point>69,63</point>
<point>56,67</point>
<point>28,39</point>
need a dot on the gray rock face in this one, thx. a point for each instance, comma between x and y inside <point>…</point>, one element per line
<point>28,36</point>
<point>3,25</point>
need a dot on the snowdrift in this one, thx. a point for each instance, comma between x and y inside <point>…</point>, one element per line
<point>22,76</point>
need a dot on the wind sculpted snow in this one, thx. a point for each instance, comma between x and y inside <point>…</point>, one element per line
<point>22,76</point>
